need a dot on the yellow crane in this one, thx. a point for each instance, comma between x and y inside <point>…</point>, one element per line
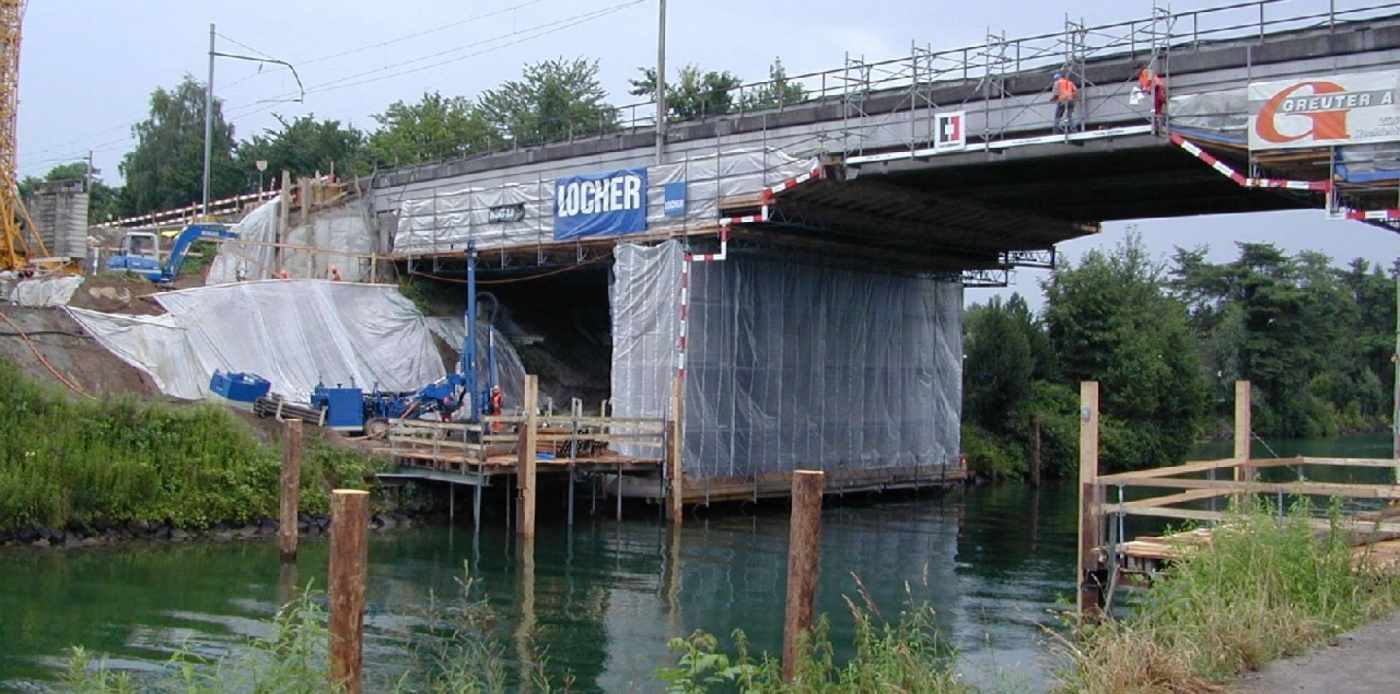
<point>16,251</point>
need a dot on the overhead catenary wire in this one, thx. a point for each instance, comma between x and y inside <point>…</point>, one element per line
<point>336,82</point>
<point>370,76</point>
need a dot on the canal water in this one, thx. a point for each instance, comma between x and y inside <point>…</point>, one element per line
<point>994,562</point>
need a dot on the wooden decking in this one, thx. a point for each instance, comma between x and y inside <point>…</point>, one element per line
<point>492,446</point>
<point>1107,557</point>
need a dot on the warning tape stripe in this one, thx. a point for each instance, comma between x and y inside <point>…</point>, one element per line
<point>1225,170</point>
<point>1389,215</point>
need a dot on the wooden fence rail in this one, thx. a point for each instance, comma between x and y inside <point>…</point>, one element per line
<point>1102,547</point>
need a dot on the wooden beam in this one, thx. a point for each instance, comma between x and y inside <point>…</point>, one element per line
<point>291,491</point>
<point>804,563</point>
<point>1090,513</point>
<point>1140,475</point>
<point>525,467</point>
<point>1217,516</point>
<point>1352,491</point>
<point>1244,473</point>
<point>1181,498</point>
<point>349,563</point>
<point>675,454</point>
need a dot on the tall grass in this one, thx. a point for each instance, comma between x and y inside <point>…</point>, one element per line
<point>902,655</point>
<point>1264,588</point>
<point>65,461</point>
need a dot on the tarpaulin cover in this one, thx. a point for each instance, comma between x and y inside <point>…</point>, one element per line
<point>510,371</point>
<point>445,219</point>
<point>791,364</point>
<point>48,291</point>
<point>294,333</point>
<point>252,256</point>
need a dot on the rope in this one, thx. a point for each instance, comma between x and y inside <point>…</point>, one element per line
<point>513,280</point>
<point>35,333</point>
<point>33,348</point>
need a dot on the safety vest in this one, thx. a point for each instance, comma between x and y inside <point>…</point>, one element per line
<point>1065,89</point>
<point>1147,79</point>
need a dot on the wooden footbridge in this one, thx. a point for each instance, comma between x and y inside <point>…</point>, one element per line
<point>517,448</point>
<point>1108,558</point>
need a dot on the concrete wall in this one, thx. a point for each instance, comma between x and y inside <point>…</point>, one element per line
<point>60,211</point>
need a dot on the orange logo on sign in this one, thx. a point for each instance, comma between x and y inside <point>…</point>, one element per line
<point>1328,122</point>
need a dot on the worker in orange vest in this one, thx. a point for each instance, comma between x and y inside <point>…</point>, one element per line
<point>1064,92</point>
<point>1155,85</point>
<point>496,406</point>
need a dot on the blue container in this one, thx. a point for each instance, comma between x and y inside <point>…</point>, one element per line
<point>345,407</point>
<point>239,387</point>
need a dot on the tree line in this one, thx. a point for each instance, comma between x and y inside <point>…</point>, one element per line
<point>1166,341</point>
<point>552,100</point>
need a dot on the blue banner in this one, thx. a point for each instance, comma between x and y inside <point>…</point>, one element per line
<point>674,199</point>
<point>601,204</point>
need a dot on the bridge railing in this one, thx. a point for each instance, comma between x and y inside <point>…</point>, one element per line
<point>998,58</point>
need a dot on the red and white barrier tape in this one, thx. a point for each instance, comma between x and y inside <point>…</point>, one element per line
<point>1389,215</point>
<point>1244,181</point>
<point>725,223</point>
<point>762,216</point>
<point>770,191</point>
<point>712,257</point>
<point>684,316</point>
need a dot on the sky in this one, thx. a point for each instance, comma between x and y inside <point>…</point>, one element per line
<point>88,67</point>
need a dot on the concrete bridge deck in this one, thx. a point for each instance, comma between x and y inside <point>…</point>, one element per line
<point>886,197</point>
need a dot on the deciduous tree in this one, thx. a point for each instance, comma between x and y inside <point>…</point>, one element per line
<point>552,101</point>
<point>166,167</point>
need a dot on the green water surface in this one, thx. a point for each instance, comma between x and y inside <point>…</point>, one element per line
<point>606,596</point>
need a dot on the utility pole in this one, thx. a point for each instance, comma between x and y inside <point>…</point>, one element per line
<point>208,119</point>
<point>1395,413</point>
<point>661,85</point>
<point>87,175</point>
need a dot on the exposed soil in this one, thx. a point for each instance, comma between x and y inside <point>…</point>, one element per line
<point>70,351</point>
<point>115,293</point>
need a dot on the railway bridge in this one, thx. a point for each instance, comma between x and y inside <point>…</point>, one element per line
<point>945,161</point>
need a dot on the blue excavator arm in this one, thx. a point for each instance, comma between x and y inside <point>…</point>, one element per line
<point>187,237</point>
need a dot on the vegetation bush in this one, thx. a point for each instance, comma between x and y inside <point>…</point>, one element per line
<point>904,655</point>
<point>64,461</point>
<point>1263,588</point>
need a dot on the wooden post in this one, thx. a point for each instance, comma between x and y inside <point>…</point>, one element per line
<point>284,211</point>
<point>305,184</point>
<point>1090,513</point>
<point>291,490</point>
<point>525,593</point>
<point>675,445</point>
<point>349,567</point>
<point>1243,472</point>
<point>804,561</point>
<point>525,467</point>
<point>1035,450</point>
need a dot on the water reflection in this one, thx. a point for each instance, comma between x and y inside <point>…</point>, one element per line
<point>599,600</point>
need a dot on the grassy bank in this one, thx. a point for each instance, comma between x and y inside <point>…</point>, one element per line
<point>66,462</point>
<point>1263,589</point>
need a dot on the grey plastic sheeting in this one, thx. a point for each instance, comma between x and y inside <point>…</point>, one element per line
<point>447,219</point>
<point>252,256</point>
<point>294,333</point>
<point>46,292</point>
<point>790,364</point>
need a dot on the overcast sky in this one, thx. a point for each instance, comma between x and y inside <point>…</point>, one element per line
<point>88,67</point>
